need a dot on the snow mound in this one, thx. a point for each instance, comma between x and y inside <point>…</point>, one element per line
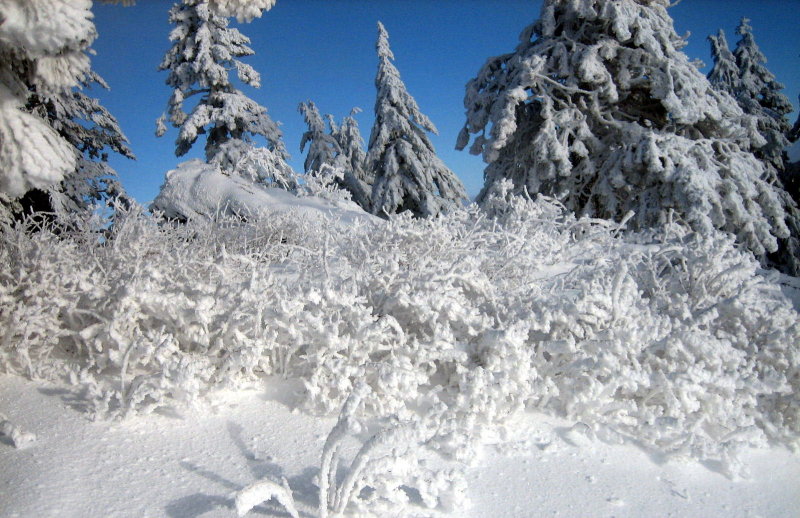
<point>196,190</point>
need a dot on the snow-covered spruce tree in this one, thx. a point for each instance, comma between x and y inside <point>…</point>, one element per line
<point>340,149</point>
<point>352,159</point>
<point>759,94</point>
<point>599,108</point>
<point>242,10</point>
<point>205,49</point>
<point>724,74</point>
<point>408,174</point>
<point>322,147</point>
<point>90,128</point>
<point>43,50</point>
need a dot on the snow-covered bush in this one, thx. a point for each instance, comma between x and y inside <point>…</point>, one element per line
<point>260,165</point>
<point>671,338</point>
<point>388,466</point>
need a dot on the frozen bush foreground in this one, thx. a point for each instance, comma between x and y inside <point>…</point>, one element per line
<point>673,340</point>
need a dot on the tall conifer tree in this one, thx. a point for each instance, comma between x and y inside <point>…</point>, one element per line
<point>408,174</point>
<point>759,94</point>
<point>598,107</point>
<point>205,49</point>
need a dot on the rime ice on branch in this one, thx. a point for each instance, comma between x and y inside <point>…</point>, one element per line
<point>408,174</point>
<point>598,107</point>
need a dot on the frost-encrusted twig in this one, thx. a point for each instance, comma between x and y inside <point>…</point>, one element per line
<point>18,437</point>
<point>387,465</point>
<point>330,453</point>
<point>262,491</point>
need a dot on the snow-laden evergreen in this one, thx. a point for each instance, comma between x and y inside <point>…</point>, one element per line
<point>724,74</point>
<point>89,127</point>
<point>759,94</point>
<point>352,159</point>
<point>242,10</point>
<point>205,50</point>
<point>408,174</point>
<point>337,151</point>
<point>598,107</point>
<point>43,49</point>
<point>322,147</point>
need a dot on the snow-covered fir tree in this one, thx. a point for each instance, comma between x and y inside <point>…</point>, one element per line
<point>599,108</point>
<point>242,10</point>
<point>90,128</point>
<point>339,148</point>
<point>352,159</point>
<point>408,174</point>
<point>322,147</point>
<point>43,50</point>
<point>724,74</point>
<point>205,49</point>
<point>759,94</point>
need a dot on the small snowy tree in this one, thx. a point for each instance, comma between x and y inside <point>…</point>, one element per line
<point>408,174</point>
<point>338,152</point>
<point>724,74</point>
<point>352,159</point>
<point>599,108</point>
<point>322,147</point>
<point>43,50</point>
<point>205,50</point>
<point>759,94</point>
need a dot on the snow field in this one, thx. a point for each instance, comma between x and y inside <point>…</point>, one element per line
<point>192,463</point>
<point>442,330</point>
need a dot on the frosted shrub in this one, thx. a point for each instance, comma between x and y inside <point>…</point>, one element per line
<point>325,183</point>
<point>672,339</point>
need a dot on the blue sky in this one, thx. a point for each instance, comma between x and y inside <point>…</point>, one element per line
<point>324,50</point>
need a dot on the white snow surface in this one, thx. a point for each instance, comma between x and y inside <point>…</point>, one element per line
<point>510,360</point>
<point>191,464</point>
<point>199,190</point>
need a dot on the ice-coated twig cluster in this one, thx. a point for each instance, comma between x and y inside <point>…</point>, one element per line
<point>673,339</point>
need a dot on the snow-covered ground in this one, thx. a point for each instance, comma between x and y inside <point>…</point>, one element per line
<point>190,463</point>
<point>513,361</point>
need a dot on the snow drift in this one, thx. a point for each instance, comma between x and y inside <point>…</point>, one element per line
<point>196,190</point>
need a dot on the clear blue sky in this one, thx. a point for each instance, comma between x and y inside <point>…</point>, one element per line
<point>324,50</point>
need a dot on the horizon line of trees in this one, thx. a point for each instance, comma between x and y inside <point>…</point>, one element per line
<point>597,107</point>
